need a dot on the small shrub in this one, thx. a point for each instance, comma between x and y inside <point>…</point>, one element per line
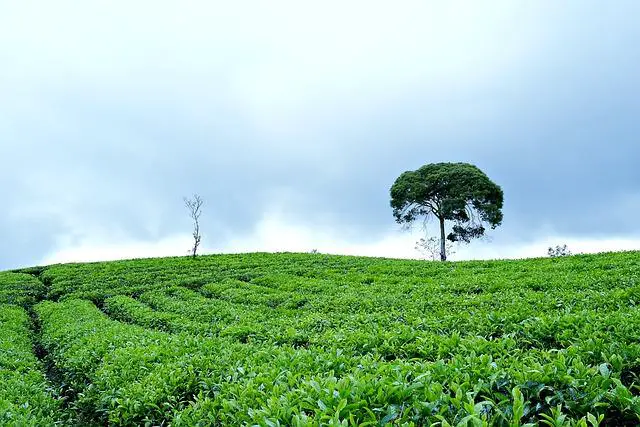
<point>558,251</point>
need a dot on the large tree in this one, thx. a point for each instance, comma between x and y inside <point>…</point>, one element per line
<point>456,192</point>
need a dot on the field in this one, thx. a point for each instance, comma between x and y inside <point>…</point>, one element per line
<point>311,339</point>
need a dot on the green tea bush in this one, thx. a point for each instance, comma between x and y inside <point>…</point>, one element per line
<point>25,398</point>
<point>314,339</point>
<point>20,289</point>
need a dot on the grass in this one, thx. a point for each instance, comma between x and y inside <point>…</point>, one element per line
<point>311,339</point>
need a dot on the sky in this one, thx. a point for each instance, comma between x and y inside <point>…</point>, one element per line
<point>293,119</point>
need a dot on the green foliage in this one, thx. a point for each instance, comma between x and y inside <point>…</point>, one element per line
<point>24,394</point>
<point>313,339</point>
<point>20,289</point>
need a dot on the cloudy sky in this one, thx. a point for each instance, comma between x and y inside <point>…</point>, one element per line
<point>292,119</point>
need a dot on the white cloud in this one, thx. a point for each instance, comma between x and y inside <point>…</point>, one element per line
<point>276,233</point>
<point>110,111</point>
<point>108,249</point>
<point>278,62</point>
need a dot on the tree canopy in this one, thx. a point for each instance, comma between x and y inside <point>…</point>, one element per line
<point>456,192</point>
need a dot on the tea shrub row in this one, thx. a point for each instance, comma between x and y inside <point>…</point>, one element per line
<point>25,396</point>
<point>20,289</point>
<point>130,375</point>
<point>310,339</point>
<point>299,341</point>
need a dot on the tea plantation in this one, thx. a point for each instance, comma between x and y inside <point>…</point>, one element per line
<point>310,339</point>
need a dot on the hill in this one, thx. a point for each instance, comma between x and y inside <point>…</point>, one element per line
<point>310,339</point>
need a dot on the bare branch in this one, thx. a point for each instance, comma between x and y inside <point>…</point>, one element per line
<point>430,247</point>
<point>195,210</point>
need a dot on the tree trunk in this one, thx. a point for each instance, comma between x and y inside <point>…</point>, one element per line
<point>443,253</point>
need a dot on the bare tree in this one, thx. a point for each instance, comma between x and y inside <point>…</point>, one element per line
<point>195,210</point>
<point>430,248</point>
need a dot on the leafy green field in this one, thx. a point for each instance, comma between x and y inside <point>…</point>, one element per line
<point>309,339</point>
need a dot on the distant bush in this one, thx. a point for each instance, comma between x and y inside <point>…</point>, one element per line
<point>558,251</point>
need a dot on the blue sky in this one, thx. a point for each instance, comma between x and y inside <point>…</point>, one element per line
<point>292,121</point>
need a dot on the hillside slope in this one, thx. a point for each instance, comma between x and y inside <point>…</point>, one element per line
<point>309,339</point>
